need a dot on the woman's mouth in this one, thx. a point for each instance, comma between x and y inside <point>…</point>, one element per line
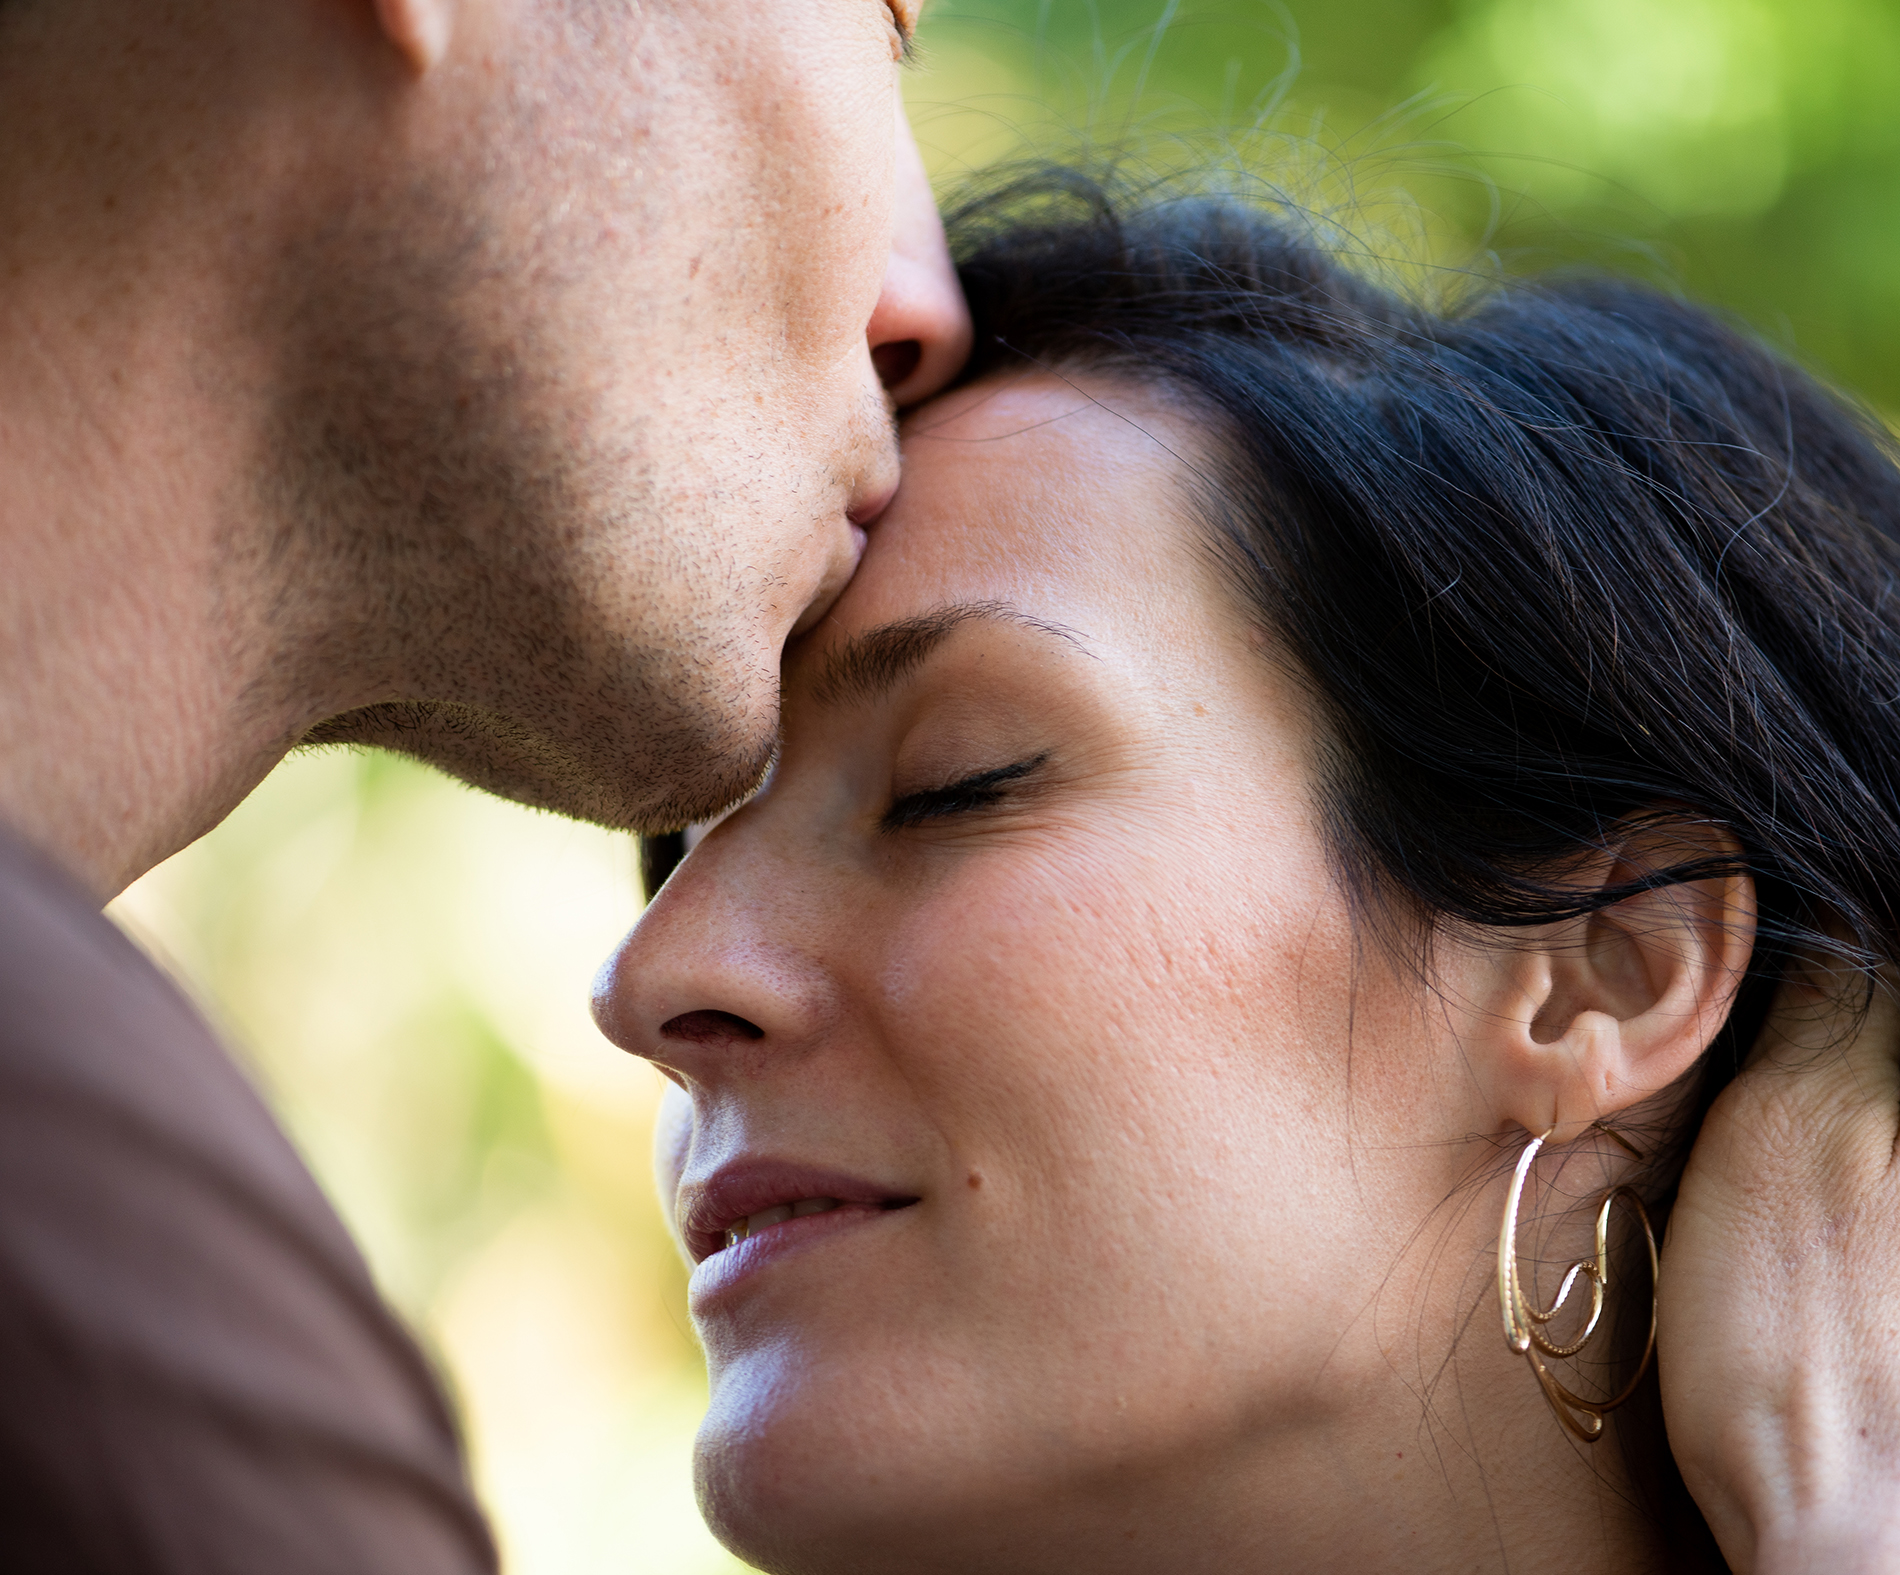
<point>765,1219</point>
<point>755,1200</point>
<point>755,1224</point>
<point>773,1234</point>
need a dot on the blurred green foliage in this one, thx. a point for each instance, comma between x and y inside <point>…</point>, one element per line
<point>1745,150</point>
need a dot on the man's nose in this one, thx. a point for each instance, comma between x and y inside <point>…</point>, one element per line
<point>920,331</point>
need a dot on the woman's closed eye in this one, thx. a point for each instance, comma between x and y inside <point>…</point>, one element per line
<point>982,790</point>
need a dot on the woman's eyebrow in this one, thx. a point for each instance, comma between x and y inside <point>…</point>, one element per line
<point>868,664</point>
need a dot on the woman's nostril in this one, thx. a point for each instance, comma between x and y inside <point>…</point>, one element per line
<point>707,1027</point>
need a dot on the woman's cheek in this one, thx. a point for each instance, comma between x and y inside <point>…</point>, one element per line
<point>1016,987</point>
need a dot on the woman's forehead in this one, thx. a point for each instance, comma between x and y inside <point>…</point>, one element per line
<point>1019,491</point>
<point>1037,420</point>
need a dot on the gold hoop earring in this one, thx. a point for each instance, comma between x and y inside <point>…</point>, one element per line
<point>1524,1323</point>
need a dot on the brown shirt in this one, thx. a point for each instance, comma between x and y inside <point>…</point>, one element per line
<point>196,1374</point>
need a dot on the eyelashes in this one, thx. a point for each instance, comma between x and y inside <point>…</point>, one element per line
<point>905,14</point>
<point>982,791</point>
<point>904,19</point>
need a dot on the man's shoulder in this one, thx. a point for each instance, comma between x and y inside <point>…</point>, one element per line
<point>92,1030</point>
<point>64,964</point>
<point>178,1299</point>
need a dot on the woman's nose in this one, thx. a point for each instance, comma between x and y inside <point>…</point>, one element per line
<point>920,330</point>
<point>719,971</point>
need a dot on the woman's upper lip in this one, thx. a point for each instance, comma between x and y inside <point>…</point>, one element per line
<point>706,1208</point>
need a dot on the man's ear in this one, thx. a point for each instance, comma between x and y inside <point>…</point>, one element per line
<point>420,30</point>
<point>1582,1019</point>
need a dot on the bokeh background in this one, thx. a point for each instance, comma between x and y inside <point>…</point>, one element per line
<point>405,964</point>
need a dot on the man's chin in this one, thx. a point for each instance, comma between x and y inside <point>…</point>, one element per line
<point>661,780</point>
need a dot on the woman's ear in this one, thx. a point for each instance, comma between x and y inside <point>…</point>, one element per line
<point>420,30</point>
<point>1581,1019</point>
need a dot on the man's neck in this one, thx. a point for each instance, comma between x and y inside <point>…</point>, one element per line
<point>131,717</point>
<point>141,681</point>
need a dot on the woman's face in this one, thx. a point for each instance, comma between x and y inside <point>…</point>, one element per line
<point>1020,1017</point>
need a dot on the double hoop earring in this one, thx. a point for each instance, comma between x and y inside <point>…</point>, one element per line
<point>1525,1323</point>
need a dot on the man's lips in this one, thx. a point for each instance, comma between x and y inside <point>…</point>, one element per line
<point>827,594</point>
<point>750,1196</point>
<point>866,509</point>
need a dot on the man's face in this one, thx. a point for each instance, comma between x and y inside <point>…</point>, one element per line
<point>582,418</point>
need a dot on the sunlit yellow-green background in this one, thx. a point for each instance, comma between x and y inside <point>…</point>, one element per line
<point>405,964</point>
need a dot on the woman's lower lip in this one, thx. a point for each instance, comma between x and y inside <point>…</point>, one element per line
<point>723,1272</point>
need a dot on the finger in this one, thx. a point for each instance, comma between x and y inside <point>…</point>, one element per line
<point>1822,1086</point>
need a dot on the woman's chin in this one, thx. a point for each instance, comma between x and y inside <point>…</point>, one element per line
<point>801,1470</point>
<point>782,1504</point>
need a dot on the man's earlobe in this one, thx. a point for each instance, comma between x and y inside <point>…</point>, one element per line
<point>1597,1013</point>
<point>420,30</point>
